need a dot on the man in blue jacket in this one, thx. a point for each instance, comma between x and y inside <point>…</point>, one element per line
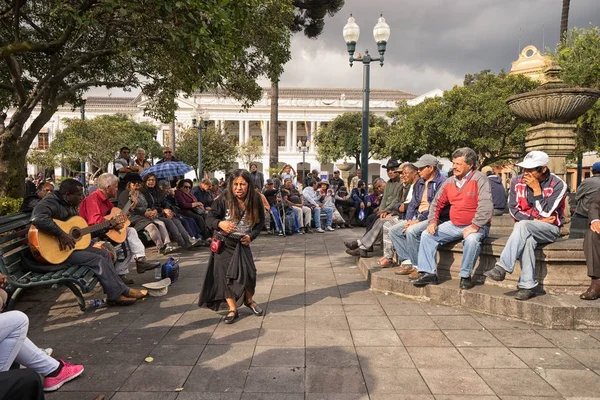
<point>497,189</point>
<point>406,237</point>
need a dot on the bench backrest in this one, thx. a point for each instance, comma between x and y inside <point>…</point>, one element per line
<point>13,241</point>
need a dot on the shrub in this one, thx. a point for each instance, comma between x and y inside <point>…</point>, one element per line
<point>9,205</point>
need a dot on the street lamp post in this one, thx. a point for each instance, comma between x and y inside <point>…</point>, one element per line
<point>381,33</point>
<point>200,127</point>
<point>82,112</point>
<point>303,148</point>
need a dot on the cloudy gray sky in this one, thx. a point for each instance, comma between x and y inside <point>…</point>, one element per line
<point>433,43</point>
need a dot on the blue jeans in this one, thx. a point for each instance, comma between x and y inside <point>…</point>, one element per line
<point>317,216</point>
<point>521,244</point>
<point>277,218</point>
<point>406,244</point>
<point>448,232</point>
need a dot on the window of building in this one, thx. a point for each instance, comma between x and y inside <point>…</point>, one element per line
<point>166,137</point>
<point>281,141</point>
<point>43,140</point>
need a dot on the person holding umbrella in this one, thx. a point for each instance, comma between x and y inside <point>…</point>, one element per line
<point>238,217</point>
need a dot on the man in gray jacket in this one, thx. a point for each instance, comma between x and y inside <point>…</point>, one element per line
<point>586,192</point>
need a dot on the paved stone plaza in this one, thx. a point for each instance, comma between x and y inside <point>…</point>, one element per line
<point>325,335</point>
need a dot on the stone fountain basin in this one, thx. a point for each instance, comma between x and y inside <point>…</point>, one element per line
<point>559,105</point>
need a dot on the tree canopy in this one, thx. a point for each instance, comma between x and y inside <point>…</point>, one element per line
<point>52,52</point>
<point>341,138</point>
<point>251,151</point>
<point>218,149</point>
<point>98,141</point>
<point>474,115</point>
<point>579,56</point>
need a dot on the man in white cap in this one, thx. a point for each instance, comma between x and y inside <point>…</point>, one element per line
<point>536,202</point>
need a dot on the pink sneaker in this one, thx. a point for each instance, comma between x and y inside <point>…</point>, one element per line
<point>66,374</point>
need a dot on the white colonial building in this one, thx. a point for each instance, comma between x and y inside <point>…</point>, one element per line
<point>301,112</point>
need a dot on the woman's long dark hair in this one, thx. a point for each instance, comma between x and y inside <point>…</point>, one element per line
<point>252,199</point>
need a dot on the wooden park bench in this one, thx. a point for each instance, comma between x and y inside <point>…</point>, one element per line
<point>14,245</point>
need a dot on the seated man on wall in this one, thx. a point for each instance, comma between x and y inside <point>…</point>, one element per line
<point>406,237</point>
<point>30,201</point>
<point>468,194</point>
<point>497,189</point>
<point>271,194</point>
<point>586,192</point>
<point>591,248</point>
<point>364,245</point>
<point>96,206</point>
<point>62,205</point>
<point>537,204</point>
<point>391,194</point>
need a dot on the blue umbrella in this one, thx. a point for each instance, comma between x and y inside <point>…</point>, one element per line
<point>168,169</point>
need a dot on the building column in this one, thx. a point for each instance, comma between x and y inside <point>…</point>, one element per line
<point>294,139</point>
<point>221,125</point>
<point>241,132</point>
<point>246,131</point>
<point>291,134</point>
<point>313,128</point>
<point>288,137</point>
<point>265,135</point>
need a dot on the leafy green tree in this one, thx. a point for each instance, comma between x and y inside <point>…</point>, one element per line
<point>474,115</point>
<point>579,56</point>
<point>43,158</point>
<point>51,52</point>
<point>218,149</point>
<point>251,151</point>
<point>341,138</point>
<point>99,139</point>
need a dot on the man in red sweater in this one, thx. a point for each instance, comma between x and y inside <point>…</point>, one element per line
<point>96,206</point>
<point>468,195</point>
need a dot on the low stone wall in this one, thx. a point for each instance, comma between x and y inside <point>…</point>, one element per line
<point>560,266</point>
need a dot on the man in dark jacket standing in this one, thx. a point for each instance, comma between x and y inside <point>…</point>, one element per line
<point>62,205</point>
<point>335,181</point>
<point>591,248</point>
<point>257,177</point>
<point>586,192</point>
<point>497,189</point>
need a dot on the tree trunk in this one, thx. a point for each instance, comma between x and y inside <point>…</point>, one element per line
<point>172,139</point>
<point>13,168</point>
<point>564,19</point>
<point>274,127</point>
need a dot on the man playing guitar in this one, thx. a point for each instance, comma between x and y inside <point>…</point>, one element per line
<point>96,206</point>
<point>61,205</point>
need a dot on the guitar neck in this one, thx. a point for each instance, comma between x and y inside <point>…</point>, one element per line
<point>105,224</point>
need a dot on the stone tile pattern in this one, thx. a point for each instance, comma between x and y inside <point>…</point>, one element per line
<point>324,335</point>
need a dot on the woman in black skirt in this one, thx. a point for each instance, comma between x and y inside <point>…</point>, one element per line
<point>237,218</point>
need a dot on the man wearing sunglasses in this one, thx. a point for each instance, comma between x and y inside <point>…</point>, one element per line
<point>167,155</point>
<point>537,203</point>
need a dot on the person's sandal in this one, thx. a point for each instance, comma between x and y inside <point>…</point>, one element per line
<point>254,307</point>
<point>229,319</point>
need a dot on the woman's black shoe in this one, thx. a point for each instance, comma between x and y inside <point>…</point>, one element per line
<point>255,308</point>
<point>229,319</point>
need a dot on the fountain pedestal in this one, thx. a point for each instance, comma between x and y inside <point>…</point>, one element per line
<point>556,140</point>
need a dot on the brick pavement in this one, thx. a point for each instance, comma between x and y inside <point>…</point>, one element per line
<point>325,335</point>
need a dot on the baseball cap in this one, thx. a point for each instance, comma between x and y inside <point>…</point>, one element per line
<point>270,181</point>
<point>487,169</point>
<point>336,172</point>
<point>596,166</point>
<point>426,160</point>
<point>534,159</point>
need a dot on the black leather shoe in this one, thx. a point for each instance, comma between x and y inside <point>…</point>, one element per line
<point>466,283</point>
<point>229,319</point>
<point>255,308</point>
<point>353,245</point>
<point>525,294</point>
<point>358,253</point>
<point>497,273</point>
<point>425,279</point>
<point>141,265</point>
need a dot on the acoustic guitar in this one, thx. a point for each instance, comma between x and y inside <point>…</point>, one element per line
<point>46,248</point>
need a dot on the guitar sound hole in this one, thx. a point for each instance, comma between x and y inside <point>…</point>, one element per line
<point>76,234</point>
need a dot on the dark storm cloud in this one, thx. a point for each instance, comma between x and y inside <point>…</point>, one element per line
<point>433,42</point>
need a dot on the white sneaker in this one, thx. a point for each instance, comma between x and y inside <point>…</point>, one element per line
<point>48,351</point>
<point>319,230</point>
<point>330,229</point>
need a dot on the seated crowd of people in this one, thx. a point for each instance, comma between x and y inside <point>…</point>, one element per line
<point>421,209</point>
